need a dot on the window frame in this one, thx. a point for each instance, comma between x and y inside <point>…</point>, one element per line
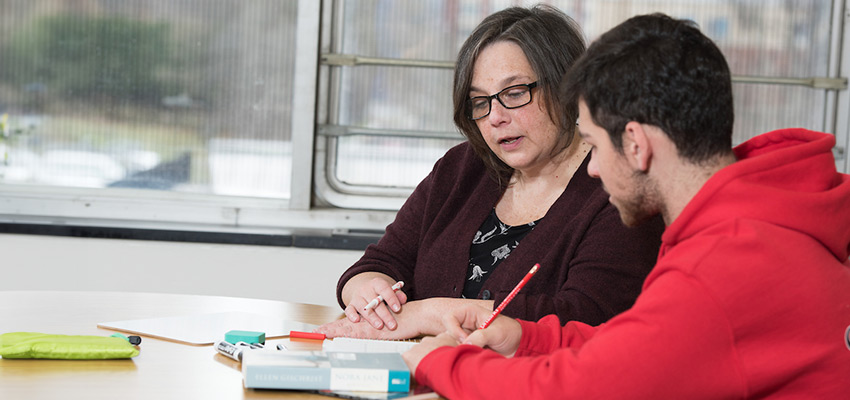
<point>336,193</point>
<point>837,112</point>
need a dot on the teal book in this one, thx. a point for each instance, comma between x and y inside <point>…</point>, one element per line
<point>319,370</point>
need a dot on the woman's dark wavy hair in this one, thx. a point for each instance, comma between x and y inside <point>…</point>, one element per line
<point>660,71</point>
<point>551,41</point>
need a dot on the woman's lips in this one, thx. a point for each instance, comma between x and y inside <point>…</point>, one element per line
<point>510,143</point>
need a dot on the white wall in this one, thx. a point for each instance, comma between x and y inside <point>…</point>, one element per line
<point>38,262</point>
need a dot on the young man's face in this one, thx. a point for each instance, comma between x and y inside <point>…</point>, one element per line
<point>628,189</point>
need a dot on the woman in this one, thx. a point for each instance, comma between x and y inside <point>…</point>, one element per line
<point>509,197</point>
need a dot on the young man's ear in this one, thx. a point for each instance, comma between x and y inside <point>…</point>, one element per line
<point>636,146</point>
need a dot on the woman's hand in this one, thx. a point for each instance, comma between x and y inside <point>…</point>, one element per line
<point>361,289</point>
<point>408,326</point>
<point>416,318</point>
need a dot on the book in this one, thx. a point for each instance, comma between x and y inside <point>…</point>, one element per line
<point>321,370</point>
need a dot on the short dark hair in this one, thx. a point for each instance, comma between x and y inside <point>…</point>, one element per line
<point>552,42</point>
<point>660,71</point>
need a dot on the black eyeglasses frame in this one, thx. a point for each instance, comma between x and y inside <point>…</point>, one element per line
<point>498,97</point>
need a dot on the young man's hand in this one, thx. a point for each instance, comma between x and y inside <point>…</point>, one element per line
<point>503,334</point>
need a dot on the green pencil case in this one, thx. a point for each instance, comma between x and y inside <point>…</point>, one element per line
<point>64,347</point>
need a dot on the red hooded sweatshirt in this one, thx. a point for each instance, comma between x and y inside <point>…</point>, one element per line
<point>750,298</point>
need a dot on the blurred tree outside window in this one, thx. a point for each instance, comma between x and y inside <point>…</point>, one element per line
<point>186,95</point>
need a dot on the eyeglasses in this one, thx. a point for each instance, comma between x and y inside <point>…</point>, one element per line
<point>510,97</point>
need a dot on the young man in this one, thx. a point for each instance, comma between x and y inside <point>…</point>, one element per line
<point>750,296</point>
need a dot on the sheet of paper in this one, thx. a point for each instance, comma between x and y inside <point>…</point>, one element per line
<point>367,345</point>
<point>203,329</point>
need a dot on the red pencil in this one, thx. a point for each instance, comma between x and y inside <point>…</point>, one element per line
<point>510,297</point>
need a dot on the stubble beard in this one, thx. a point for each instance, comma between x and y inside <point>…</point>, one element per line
<point>643,203</point>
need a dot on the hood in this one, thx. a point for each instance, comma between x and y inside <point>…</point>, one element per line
<point>785,177</point>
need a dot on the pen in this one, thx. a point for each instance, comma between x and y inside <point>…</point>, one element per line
<point>510,297</point>
<point>377,300</point>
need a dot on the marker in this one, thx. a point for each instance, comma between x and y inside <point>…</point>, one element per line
<point>510,297</point>
<point>306,335</point>
<point>230,350</point>
<point>235,351</point>
<point>377,300</point>
<point>134,340</point>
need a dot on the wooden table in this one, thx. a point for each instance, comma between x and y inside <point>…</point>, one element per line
<point>163,370</point>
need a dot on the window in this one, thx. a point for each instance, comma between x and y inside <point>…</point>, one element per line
<point>151,95</point>
<point>283,115</point>
<point>164,114</point>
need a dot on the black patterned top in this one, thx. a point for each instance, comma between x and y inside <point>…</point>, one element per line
<point>493,243</point>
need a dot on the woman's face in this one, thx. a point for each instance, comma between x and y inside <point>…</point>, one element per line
<point>521,137</point>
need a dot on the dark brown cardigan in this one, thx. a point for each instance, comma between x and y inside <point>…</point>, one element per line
<point>592,266</point>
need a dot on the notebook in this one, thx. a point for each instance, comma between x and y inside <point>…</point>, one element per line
<point>203,329</point>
